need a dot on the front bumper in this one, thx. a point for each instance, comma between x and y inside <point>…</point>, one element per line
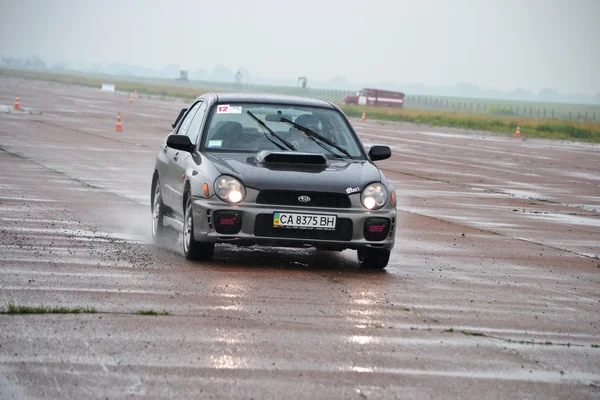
<point>349,233</point>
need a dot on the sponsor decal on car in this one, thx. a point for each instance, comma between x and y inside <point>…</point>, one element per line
<point>351,190</point>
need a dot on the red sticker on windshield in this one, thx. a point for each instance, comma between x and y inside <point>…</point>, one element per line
<point>227,109</point>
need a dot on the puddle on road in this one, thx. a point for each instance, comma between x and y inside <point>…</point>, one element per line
<point>89,289</point>
<point>363,339</point>
<point>493,225</point>
<point>503,331</point>
<point>26,199</point>
<point>524,375</point>
<point>464,220</point>
<point>522,194</point>
<point>88,274</point>
<point>95,262</point>
<point>587,207</point>
<point>584,175</point>
<point>38,221</point>
<point>456,135</point>
<point>568,219</point>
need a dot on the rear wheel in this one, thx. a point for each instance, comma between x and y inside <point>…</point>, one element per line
<point>192,249</point>
<point>161,234</point>
<point>369,258</point>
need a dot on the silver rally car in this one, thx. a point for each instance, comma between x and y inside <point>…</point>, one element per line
<point>271,170</point>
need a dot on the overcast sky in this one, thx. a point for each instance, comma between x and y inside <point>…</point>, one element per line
<point>504,44</point>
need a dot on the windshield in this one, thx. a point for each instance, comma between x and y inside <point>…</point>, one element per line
<point>253,127</point>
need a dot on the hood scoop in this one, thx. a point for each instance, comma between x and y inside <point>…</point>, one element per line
<point>292,157</point>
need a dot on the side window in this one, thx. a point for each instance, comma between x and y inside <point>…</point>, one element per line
<point>194,128</point>
<point>188,120</point>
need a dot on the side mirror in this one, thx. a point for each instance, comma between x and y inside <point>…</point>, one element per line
<point>380,153</point>
<point>180,142</point>
<point>174,124</point>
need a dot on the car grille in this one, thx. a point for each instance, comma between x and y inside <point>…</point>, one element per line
<point>290,198</point>
<point>263,227</point>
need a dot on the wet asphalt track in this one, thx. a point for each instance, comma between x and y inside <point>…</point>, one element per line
<point>493,290</point>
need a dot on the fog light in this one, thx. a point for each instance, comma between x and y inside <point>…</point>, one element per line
<point>376,229</point>
<point>228,222</point>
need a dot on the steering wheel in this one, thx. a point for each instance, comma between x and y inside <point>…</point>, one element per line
<point>296,137</point>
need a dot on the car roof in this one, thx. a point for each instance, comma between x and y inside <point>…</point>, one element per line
<point>270,98</point>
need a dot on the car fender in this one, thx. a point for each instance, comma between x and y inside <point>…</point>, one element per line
<point>197,176</point>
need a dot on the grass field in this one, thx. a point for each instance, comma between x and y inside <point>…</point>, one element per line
<point>531,109</point>
<point>550,129</point>
<point>158,89</point>
<point>500,118</point>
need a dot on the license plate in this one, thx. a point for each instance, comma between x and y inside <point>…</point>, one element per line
<point>304,221</point>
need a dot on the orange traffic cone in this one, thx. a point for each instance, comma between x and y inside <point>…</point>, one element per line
<point>17,106</point>
<point>364,117</point>
<point>518,132</point>
<point>130,98</point>
<point>118,126</point>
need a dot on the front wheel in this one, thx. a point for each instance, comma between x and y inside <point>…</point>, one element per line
<point>192,249</point>
<point>161,234</point>
<point>369,258</point>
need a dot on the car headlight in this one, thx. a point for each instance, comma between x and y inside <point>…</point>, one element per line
<point>230,189</point>
<point>374,196</point>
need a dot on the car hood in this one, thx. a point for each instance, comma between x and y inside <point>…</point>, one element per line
<point>340,176</point>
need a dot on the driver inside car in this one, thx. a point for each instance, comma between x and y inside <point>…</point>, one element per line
<point>300,140</point>
<point>308,121</point>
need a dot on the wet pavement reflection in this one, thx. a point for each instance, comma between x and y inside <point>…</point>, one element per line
<point>491,292</point>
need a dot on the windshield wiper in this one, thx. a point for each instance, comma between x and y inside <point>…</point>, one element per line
<point>282,140</point>
<point>314,135</point>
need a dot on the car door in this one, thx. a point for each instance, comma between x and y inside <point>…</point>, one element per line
<point>170,180</point>
<point>184,160</point>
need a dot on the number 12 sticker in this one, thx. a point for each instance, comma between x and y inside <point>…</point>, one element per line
<point>227,109</point>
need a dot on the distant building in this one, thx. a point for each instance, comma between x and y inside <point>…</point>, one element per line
<point>302,81</point>
<point>183,76</point>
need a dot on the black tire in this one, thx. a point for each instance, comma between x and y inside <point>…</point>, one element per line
<point>161,234</point>
<point>192,249</point>
<point>369,258</point>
